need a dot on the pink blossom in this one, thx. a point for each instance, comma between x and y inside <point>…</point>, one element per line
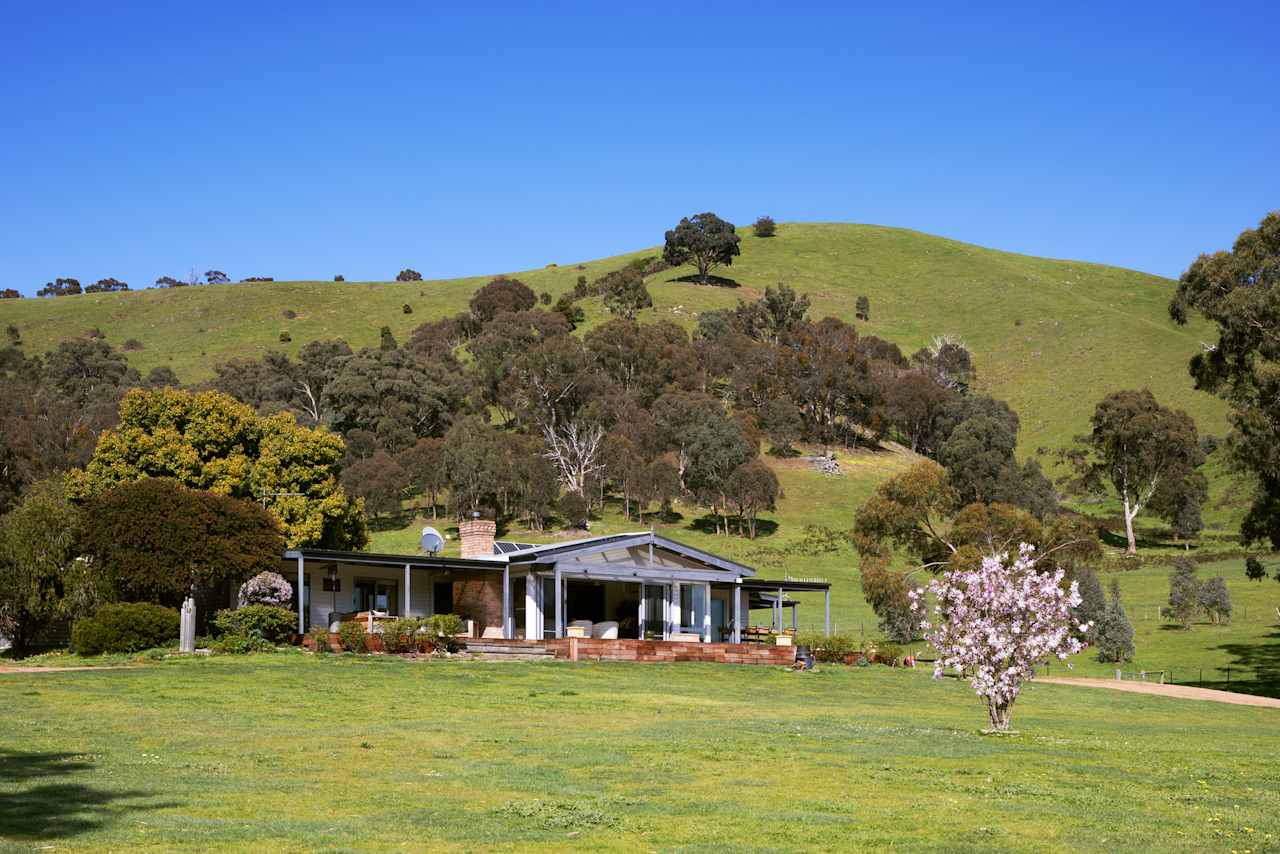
<point>994,624</point>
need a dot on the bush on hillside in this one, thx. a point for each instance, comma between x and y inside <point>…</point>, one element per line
<point>270,623</point>
<point>574,510</point>
<point>133,345</point>
<point>765,227</point>
<point>125,627</point>
<point>408,275</point>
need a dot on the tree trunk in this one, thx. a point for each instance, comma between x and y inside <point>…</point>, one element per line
<point>1128,528</point>
<point>1000,714</point>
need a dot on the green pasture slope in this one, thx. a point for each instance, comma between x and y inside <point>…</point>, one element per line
<point>298,753</point>
<point>1051,337</point>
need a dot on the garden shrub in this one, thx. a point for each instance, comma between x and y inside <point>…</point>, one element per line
<point>266,588</point>
<point>443,629</point>
<point>125,627</point>
<point>353,636</point>
<point>889,653</point>
<point>835,648</point>
<point>238,644</point>
<point>319,636</point>
<point>403,635</point>
<point>266,622</point>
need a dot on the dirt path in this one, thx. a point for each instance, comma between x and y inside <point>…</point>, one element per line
<point>1185,692</point>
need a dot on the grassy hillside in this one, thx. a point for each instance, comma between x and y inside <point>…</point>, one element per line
<point>1051,337</point>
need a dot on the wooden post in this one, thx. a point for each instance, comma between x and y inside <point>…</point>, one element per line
<point>828,616</point>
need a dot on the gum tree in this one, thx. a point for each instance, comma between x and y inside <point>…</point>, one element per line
<point>993,624</point>
<point>1148,454</point>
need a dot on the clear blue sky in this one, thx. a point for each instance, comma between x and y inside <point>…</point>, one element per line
<point>343,138</point>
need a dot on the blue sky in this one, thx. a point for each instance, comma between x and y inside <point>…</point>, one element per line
<point>304,141</point>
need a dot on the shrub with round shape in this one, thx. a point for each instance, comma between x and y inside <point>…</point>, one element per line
<point>266,588</point>
<point>125,627</point>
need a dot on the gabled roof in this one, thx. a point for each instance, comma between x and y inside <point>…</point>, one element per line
<point>540,553</point>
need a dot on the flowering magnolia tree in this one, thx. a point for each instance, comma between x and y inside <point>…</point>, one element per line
<point>266,588</point>
<point>995,623</point>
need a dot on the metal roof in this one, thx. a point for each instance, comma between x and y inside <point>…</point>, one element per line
<point>635,538</point>
<point>773,585</point>
<point>375,559</point>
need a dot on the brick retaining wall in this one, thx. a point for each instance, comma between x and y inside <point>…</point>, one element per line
<point>596,649</point>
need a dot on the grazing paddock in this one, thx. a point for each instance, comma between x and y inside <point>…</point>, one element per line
<point>295,752</point>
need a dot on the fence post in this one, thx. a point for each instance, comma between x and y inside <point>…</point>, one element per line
<point>1118,679</point>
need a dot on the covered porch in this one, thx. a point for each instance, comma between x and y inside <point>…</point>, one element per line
<point>330,586</point>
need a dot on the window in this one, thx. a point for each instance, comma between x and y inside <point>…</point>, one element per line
<point>693,607</point>
<point>376,596</point>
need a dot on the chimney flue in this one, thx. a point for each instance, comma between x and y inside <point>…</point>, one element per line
<point>477,536</point>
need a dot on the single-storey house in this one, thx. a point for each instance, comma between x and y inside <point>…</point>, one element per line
<point>638,586</point>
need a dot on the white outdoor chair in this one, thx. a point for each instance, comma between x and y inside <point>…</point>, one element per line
<point>605,631</point>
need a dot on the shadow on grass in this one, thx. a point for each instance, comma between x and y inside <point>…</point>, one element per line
<point>707,525</point>
<point>712,281</point>
<point>1116,540</point>
<point>36,805</point>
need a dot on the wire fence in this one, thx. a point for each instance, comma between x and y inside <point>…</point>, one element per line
<point>1174,674</point>
<point>1153,612</point>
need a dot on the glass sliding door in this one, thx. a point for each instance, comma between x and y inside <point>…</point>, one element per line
<point>694,600</point>
<point>376,596</point>
<point>654,603</point>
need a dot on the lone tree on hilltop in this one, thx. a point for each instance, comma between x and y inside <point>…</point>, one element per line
<point>1148,454</point>
<point>408,275</point>
<point>705,240</point>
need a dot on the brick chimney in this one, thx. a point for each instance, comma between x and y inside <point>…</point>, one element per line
<point>477,537</point>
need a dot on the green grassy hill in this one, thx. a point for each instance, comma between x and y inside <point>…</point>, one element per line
<point>1051,337</point>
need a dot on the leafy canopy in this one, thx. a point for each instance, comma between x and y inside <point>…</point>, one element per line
<point>209,441</point>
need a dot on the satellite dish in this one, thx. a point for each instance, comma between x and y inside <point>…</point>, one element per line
<point>432,543</point>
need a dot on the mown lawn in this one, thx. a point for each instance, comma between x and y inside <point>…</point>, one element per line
<point>291,752</point>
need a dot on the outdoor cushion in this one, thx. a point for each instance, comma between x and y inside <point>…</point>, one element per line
<point>606,630</point>
<point>685,637</point>
<point>492,633</point>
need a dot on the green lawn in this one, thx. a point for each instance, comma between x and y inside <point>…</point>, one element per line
<point>291,752</point>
